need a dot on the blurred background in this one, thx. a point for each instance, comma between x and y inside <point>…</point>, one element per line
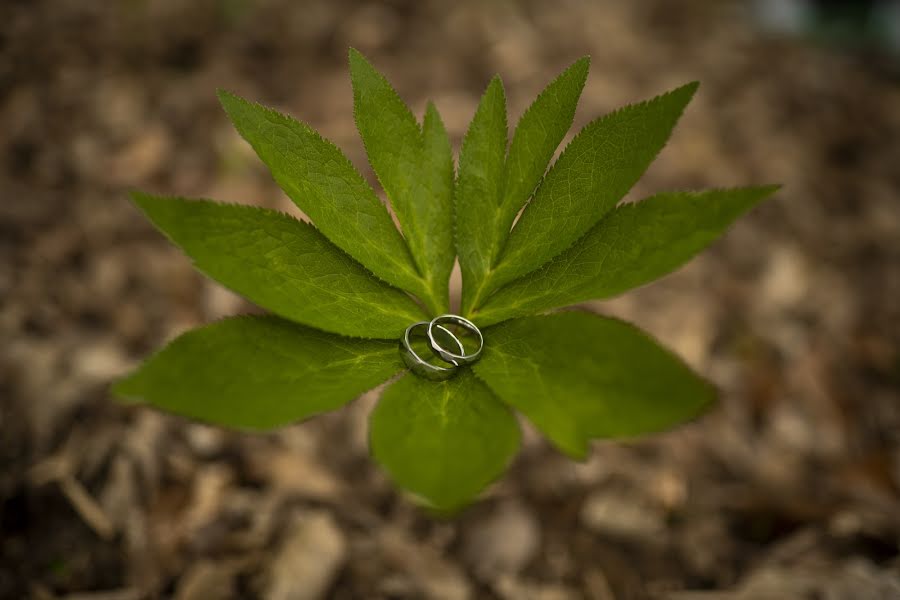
<point>790,488</point>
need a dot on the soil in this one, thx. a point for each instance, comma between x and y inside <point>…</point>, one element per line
<point>789,488</point>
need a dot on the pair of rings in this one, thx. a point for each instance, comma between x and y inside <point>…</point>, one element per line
<point>431,330</point>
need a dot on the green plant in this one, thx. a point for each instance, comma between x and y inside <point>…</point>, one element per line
<point>345,290</point>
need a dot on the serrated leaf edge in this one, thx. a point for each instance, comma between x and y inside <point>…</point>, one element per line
<point>138,196</point>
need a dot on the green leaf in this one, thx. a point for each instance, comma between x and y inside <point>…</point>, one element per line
<point>283,265</point>
<point>438,181</point>
<point>479,188</point>
<point>415,167</point>
<point>320,180</point>
<point>443,441</point>
<point>594,172</point>
<point>579,376</point>
<point>635,244</point>
<point>539,132</point>
<point>259,372</point>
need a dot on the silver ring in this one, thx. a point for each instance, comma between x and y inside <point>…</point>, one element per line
<point>455,359</point>
<point>416,363</point>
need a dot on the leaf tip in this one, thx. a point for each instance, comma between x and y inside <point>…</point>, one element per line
<point>495,86</point>
<point>577,451</point>
<point>141,199</point>
<point>230,101</point>
<point>689,89</point>
<point>710,397</point>
<point>137,195</point>
<point>758,193</point>
<point>358,61</point>
<point>582,65</point>
<point>225,95</point>
<point>125,390</point>
<point>432,115</point>
<point>680,96</point>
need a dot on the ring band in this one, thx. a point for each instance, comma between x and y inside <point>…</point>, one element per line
<point>450,357</point>
<point>416,363</point>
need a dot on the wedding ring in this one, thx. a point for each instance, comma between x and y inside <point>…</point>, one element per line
<point>416,363</point>
<point>456,359</point>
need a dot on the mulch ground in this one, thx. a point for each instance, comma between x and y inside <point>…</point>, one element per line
<point>790,488</point>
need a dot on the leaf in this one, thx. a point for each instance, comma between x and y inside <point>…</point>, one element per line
<point>579,376</point>
<point>539,132</point>
<point>437,178</point>
<point>479,188</point>
<point>415,167</point>
<point>320,180</point>
<point>443,441</point>
<point>635,244</point>
<point>259,372</point>
<point>594,172</point>
<point>283,265</point>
